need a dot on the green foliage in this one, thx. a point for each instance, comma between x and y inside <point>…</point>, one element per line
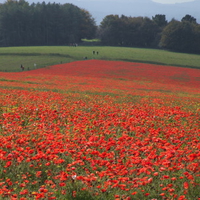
<point>160,20</point>
<point>43,24</point>
<point>128,31</point>
<point>189,18</point>
<point>181,36</point>
<point>87,31</point>
<point>177,36</point>
<point>90,42</point>
<point>110,30</point>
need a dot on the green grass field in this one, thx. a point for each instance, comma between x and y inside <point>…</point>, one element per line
<point>11,58</point>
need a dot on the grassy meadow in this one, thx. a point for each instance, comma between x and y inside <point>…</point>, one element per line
<point>11,58</point>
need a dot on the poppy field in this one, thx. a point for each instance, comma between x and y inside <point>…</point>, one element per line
<point>100,130</point>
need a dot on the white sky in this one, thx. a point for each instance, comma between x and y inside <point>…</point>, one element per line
<point>171,1</point>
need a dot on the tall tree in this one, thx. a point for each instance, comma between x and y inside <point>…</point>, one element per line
<point>189,18</point>
<point>181,36</point>
<point>147,32</point>
<point>14,19</point>
<point>109,30</point>
<point>88,25</point>
<point>160,20</point>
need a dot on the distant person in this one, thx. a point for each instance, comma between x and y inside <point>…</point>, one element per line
<point>97,52</point>
<point>93,52</point>
<point>22,67</point>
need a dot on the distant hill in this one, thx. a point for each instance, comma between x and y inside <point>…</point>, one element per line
<point>100,8</point>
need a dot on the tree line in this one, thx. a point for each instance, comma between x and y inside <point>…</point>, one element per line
<point>181,36</point>
<point>22,24</point>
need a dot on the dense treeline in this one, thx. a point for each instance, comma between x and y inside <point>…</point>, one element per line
<point>22,24</point>
<point>43,24</point>
<point>128,31</point>
<point>179,36</point>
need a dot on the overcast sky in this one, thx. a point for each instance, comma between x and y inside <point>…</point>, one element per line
<point>171,1</point>
<point>158,1</point>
